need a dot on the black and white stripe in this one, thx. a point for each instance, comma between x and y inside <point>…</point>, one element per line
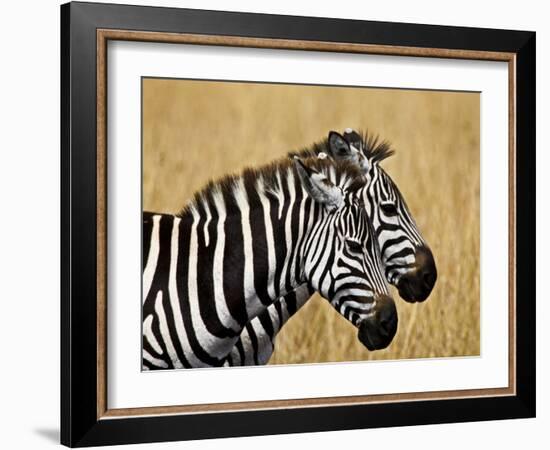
<point>247,241</point>
<point>396,231</point>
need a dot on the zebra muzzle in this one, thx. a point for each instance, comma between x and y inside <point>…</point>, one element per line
<point>417,284</point>
<point>377,331</point>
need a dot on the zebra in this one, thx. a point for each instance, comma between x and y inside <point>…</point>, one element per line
<point>407,259</point>
<point>247,240</point>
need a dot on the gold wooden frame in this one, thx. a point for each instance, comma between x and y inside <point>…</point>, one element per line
<point>104,35</point>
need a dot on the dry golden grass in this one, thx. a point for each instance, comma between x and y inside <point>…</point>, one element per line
<point>194,131</point>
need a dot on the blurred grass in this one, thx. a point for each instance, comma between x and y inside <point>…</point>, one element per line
<point>196,130</point>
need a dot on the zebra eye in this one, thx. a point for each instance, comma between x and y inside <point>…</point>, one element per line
<point>388,209</point>
<point>354,246</point>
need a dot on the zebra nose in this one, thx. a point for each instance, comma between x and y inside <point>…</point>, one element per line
<point>377,331</point>
<point>387,316</point>
<point>429,278</point>
<point>417,284</point>
<point>426,266</point>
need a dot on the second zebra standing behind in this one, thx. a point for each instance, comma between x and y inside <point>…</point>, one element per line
<point>407,260</point>
<point>247,240</point>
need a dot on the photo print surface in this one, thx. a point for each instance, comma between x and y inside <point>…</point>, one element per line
<point>288,224</point>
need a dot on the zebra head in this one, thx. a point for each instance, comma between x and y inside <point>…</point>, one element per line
<point>342,259</point>
<point>408,261</point>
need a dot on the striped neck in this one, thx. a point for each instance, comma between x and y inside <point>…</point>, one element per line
<point>248,240</point>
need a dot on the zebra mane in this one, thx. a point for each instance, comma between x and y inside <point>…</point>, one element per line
<point>372,147</point>
<point>346,175</point>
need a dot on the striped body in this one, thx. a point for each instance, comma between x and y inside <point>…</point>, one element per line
<point>247,241</point>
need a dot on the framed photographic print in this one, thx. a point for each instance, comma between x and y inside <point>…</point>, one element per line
<point>276,224</point>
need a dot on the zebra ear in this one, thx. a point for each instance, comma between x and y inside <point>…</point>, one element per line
<point>338,146</point>
<point>341,149</point>
<point>352,136</point>
<point>319,187</point>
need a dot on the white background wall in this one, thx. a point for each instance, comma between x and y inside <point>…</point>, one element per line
<point>29,225</point>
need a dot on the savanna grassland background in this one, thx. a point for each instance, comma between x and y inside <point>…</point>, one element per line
<point>197,130</point>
